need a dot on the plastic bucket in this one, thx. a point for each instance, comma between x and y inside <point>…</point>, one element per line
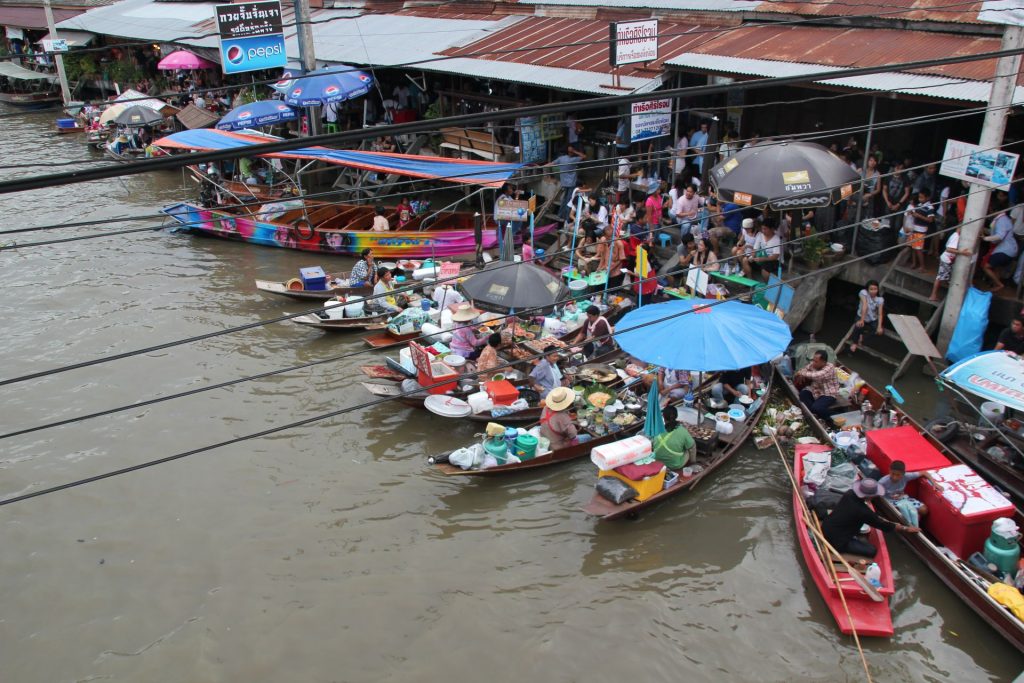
<point>578,287</point>
<point>993,411</point>
<point>454,360</point>
<point>425,304</point>
<point>354,307</point>
<point>527,444</point>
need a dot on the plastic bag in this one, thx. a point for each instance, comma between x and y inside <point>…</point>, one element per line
<point>970,326</point>
<point>816,466</point>
<point>841,477</point>
<point>468,458</point>
<point>615,490</point>
<point>873,242</point>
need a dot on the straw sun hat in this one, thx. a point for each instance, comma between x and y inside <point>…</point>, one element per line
<point>560,398</point>
<point>465,313</point>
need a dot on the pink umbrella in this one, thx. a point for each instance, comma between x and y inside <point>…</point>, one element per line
<point>184,60</point>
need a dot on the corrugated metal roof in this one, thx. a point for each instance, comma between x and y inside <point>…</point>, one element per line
<point>908,83</point>
<point>678,5</point>
<point>593,82</point>
<point>909,10</point>
<point>584,41</point>
<point>386,39</point>
<point>32,17</point>
<point>148,20</point>
<point>852,47</point>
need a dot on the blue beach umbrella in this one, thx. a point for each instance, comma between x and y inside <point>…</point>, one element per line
<point>332,84</point>
<point>256,114</point>
<point>703,335</point>
<point>654,423</point>
<point>289,77</point>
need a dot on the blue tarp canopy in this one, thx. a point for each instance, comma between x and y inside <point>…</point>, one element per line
<point>411,165</point>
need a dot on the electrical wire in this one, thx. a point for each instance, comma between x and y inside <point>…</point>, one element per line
<point>381,401</point>
<point>522,313</point>
<point>59,179</point>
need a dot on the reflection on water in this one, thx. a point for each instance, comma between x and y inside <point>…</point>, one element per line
<point>330,552</point>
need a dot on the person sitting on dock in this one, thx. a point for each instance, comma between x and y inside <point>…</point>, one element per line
<point>675,446</point>
<point>871,313</point>
<point>1012,338</point>
<point>546,376</point>
<point>555,423</point>
<point>819,386</point>
<point>842,527</point>
<point>489,359</point>
<point>895,483</point>
<point>767,252</point>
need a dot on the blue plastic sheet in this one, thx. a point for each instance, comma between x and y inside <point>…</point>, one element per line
<point>970,328</point>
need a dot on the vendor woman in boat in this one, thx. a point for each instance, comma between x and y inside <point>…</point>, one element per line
<point>363,271</point>
<point>598,333</point>
<point>465,340</point>
<point>674,448</point>
<point>489,359</point>
<point>382,290</point>
<point>556,425</point>
<point>842,527</point>
<point>546,376</point>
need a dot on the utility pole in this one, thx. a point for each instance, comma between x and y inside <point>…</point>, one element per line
<point>307,54</point>
<point>64,90</point>
<point>1003,86</point>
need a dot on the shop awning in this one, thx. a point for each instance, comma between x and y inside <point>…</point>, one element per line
<point>73,38</point>
<point>12,70</point>
<point>410,165</point>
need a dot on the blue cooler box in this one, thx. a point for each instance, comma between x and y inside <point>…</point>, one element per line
<point>66,123</point>
<point>313,278</point>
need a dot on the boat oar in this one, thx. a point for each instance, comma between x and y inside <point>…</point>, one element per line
<point>805,514</point>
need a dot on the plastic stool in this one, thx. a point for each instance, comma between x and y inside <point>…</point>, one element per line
<point>666,239</point>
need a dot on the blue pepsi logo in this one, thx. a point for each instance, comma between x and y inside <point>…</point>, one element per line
<point>235,55</point>
<point>331,90</point>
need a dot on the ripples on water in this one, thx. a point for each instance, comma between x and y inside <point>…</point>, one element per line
<point>329,553</point>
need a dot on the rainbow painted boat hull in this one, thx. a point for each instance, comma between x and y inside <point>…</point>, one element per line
<point>395,244</point>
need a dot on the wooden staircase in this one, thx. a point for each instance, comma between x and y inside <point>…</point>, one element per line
<point>900,281</point>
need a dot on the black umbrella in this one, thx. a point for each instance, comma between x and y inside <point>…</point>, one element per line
<point>137,116</point>
<point>502,287</point>
<point>787,175</point>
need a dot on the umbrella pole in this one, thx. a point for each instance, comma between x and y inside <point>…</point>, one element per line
<point>575,229</point>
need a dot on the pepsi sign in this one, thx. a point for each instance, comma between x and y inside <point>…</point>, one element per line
<point>251,37</point>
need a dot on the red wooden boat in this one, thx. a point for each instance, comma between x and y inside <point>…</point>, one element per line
<point>963,579</point>
<point>868,617</point>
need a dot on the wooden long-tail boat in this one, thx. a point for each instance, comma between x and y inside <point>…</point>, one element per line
<point>860,612</point>
<point>723,449</point>
<point>965,581</point>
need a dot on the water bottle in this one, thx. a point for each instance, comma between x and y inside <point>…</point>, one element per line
<point>874,575</point>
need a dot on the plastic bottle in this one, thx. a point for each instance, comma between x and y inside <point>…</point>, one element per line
<point>874,575</point>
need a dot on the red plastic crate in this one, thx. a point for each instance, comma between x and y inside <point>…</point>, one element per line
<point>961,524</point>
<point>502,392</point>
<point>903,443</point>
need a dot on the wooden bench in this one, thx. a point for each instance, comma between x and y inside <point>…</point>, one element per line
<point>474,142</point>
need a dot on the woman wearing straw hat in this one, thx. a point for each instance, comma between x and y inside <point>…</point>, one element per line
<point>555,423</point>
<point>465,341</point>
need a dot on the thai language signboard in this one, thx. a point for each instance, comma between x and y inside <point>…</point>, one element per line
<point>633,41</point>
<point>251,36</point>
<point>650,119</point>
<point>989,167</point>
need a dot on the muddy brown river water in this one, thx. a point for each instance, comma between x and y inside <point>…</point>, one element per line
<point>329,552</point>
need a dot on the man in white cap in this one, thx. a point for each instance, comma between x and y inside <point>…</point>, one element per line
<point>842,527</point>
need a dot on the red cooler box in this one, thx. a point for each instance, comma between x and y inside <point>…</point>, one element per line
<point>502,392</point>
<point>439,373</point>
<point>961,508</point>
<point>903,443</point>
